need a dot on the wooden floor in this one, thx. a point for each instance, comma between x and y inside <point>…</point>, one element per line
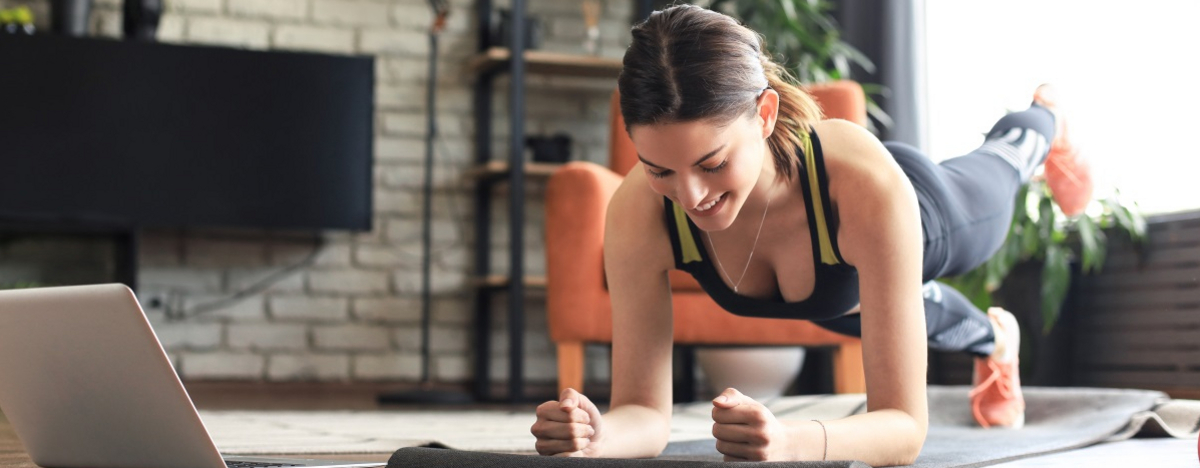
<point>1157,453</point>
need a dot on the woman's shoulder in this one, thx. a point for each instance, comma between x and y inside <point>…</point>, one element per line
<point>841,139</point>
<point>634,199</point>
<point>635,223</point>
<point>853,153</point>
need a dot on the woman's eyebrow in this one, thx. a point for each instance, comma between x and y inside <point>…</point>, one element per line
<point>697,163</point>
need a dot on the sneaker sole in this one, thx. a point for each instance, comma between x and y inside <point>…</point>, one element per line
<point>1016,424</point>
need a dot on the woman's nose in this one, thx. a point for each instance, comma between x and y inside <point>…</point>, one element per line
<point>690,192</point>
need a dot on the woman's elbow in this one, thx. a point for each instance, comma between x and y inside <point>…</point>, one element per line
<point>911,449</point>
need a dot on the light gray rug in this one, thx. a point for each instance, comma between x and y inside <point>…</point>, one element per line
<point>349,432</point>
<point>1057,419</point>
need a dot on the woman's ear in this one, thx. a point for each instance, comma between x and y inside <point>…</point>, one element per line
<point>768,111</point>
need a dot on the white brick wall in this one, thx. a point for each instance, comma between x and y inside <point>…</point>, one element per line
<point>308,367</point>
<point>391,310</point>
<point>193,336</point>
<point>268,336</point>
<point>340,41</point>
<point>270,9</point>
<point>222,365</point>
<point>451,368</point>
<point>387,367</point>
<point>384,255</point>
<point>193,6</point>
<point>348,281</point>
<point>352,311</point>
<point>229,32</point>
<point>351,12</point>
<point>394,42</point>
<point>308,308</point>
<point>351,338</point>
<point>238,279</point>
<point>171,28</point>
<point>408,338</point>
<point>249,309</point>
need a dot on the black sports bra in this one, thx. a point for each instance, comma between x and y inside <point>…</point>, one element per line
<point>836,288</point>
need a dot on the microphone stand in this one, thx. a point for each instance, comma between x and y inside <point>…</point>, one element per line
<point>425,393</point>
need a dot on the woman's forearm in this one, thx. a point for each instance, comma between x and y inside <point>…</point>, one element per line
<point>633,431</point>
<point>878,438</point>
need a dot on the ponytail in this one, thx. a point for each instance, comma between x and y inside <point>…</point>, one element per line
<point>797,113</point>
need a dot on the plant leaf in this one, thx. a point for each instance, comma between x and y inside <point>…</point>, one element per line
<point>1092,241</point>
<point>1056,279</point>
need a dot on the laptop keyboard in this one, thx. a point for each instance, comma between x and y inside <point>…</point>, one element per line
<point>246,464</point>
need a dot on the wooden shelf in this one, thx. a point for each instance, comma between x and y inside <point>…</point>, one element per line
<point>500,169</point>
<point>549,63</point>
<point>501,281</point>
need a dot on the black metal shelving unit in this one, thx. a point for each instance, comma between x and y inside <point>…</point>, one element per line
<point>490,62</point>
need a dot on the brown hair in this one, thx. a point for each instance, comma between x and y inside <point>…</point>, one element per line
<point>687,63</point>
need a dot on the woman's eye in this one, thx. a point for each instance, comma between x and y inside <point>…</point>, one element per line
<point>658,175</point>
<point>715,169</point>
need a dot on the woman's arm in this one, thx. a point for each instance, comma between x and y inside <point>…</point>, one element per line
<point>879,232</point>
<point>637,257</point>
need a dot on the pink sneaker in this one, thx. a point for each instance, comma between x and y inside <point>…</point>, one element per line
<point>1067,172</point>
<point>996,399</point>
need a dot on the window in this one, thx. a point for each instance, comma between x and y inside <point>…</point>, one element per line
<point>1127,72</point>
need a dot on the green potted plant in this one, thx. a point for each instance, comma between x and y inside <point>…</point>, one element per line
<point>805,38</point>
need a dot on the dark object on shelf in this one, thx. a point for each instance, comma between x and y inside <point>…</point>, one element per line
<point>161,135</point>
<point>70,17</point>
<point>502,30</point>
<point>550,149</point>
<point>139,19</point>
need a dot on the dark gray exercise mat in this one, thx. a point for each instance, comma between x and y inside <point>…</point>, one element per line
<point>421,457</point>
<point>1056,419</point>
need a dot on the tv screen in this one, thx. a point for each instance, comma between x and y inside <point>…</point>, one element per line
<point>158,135</point>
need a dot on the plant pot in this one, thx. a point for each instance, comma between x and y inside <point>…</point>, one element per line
<point>758,372</point>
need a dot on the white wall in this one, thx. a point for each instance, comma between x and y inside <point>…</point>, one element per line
<point>1125,70</point>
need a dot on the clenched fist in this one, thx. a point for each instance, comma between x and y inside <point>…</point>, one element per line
<point>569,427</point>
<point>747,431</point>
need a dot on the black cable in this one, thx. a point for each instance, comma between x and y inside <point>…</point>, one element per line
<point>259,286</point>
<point>441,10</point>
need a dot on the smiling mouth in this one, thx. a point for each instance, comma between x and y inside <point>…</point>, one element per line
<point>710,205</point>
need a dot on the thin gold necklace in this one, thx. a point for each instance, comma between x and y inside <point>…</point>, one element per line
<point>752,247</point>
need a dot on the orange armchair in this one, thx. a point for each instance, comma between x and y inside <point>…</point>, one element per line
<point>578,303</point>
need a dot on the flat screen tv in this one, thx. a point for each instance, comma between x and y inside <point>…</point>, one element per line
<point>158,135</point>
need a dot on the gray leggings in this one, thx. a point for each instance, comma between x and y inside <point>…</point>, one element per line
<point>966,208</point>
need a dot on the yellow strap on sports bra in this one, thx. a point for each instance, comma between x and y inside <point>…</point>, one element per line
<point>687,244</point>
<point>827,255</point>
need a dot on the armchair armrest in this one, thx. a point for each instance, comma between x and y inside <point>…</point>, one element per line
<point>577,197</point>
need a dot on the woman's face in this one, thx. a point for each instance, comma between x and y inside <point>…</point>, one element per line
<point>709,169</point>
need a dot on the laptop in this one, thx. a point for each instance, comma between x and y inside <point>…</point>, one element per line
<point>86,384</point>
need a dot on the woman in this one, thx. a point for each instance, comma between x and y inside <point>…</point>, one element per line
<point>816,220</point>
